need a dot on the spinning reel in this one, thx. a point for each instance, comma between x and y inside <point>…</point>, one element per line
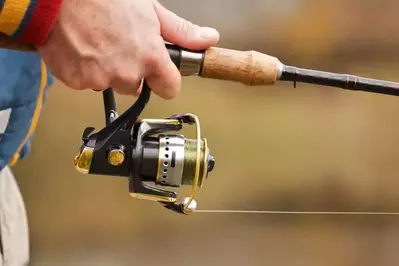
<point>147,151</point>
<point>144,151</point>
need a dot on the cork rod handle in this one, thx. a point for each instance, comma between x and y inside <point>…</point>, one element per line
<point>248,67</point>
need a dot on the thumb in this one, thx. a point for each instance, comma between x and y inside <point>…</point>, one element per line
<point>181,32</point>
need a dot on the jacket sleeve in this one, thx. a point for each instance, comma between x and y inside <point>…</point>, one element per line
<point>29,21</point>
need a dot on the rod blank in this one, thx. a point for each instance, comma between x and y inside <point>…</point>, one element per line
<point>344,81</point>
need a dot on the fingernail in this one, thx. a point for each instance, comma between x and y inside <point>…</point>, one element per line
<point>209,33</point>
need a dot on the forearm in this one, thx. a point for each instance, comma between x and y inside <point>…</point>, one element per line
<point>28,21</point>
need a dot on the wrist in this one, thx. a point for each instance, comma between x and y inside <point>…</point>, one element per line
<point>29,21</point>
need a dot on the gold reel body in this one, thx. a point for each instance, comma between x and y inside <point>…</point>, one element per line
<point>180,161</point>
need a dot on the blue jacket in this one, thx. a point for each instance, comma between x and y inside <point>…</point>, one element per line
<point>24,82</point>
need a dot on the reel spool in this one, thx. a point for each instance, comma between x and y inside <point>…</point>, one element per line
<point>148,152</point>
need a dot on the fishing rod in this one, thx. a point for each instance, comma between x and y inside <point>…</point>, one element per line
<point>251,68</point>
<point>257,69</point>
<point>152,156</point>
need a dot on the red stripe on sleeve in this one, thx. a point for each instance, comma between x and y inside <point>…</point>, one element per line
<point>41,22</point>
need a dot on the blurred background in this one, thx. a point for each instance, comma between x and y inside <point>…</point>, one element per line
<point>306,149</point>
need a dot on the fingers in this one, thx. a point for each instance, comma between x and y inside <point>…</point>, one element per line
<point>162,76</point>
<point>156,68</point>
<point>127,77</point>
<point>92,76</point>
<point>124,88</point>
<point>181,32</point>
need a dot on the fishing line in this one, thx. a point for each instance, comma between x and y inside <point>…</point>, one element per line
<point>341,213</point>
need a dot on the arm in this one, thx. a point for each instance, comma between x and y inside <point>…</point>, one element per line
<point>28,21</point>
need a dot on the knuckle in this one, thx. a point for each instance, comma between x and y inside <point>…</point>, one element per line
<point>97,82</point>
<point>94,76</point>
<point>124,78</point>
<point>71,82</point>
<point>154,56</point>
<point>184,27</point>
<point>69,76</point>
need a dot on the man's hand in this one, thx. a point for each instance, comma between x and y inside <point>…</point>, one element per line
<point>96,44</point>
